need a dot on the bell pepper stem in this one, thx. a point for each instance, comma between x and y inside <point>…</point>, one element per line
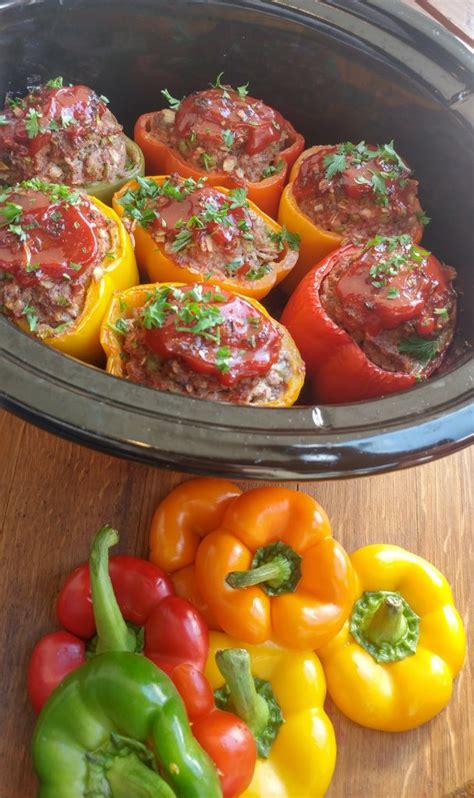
<point>112,632</point>
<point>234,665</point>
<point>127,776</point>
<point>275,571</point>
<point>388,624</point>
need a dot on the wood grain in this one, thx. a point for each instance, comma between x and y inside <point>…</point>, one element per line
<point>54,494</point>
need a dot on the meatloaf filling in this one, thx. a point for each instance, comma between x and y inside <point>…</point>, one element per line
<point>358,191</point>
<point>204,342</point>
<point>225,130</point>
<point>207,230</point>
<point>63,134</point>
<point>397,302</point>
<point>53,242</point>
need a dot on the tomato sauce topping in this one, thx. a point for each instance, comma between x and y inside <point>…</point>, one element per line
<point>212,331</point>
<point>392,282</point>
<point>42,234</point>
<point>31,122</point>
<point>206,114</point>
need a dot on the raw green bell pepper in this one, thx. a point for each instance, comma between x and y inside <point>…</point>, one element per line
<point>116,727</point>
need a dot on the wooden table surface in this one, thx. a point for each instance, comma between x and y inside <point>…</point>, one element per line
<point>54,495</point>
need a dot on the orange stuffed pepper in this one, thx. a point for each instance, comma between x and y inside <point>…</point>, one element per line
<point>225,135</point>
<point>188,232</point>
<point>347,192</point>
<point>201,341</point>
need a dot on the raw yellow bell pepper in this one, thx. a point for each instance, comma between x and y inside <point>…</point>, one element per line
<point>301,759</point>
<point>392,665</point>
<point>82,337</point>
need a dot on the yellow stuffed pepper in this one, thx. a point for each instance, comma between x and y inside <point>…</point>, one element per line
<point>347,192</point>
<point>392,665</point>
<point>188,232</point>
<point>200,340</point>
<point>283,706</point>
<point>62,256</point>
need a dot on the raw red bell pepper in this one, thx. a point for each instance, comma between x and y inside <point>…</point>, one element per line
<point>226,738</point>
<point>167,628</point>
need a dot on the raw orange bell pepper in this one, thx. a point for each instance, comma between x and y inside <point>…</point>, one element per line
<point>192,510</point>
<point>125,302</point>
<point>272,571</point>
<point>159,266</point>
<point>315,242</point>
<point>162,159</point>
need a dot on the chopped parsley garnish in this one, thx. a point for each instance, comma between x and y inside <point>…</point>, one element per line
<point>393,293</point>
<point>4,120</point>
<point>421,349</point>
<point>423,218</point>
<point>32,267</point>
<point>56,191</point>
<point>223,355</point>
<point>234,265</point>
<point>55,83</point>
<point>75,266</point>
<point>120,327</point>
<point>394,261</point>
<point>56,216</point>
<point>11,212</point>
<point>258,272</point>
<point>284,236</point>
<point>67,118</point>
<point>242,91</point>
<point>337,162</point>
<point>31,317</point>
<point>104,99</point>
<point>17,230</point>
<point>199,319</point>
<point>182,240</point>
<point>110,255</point>
<point>62,327</point>
<point>32,124</point>
<point>228,138</point>
<point>218,85</point>
<point>208,161</point>
<point>274,169</point>
<point>172,101</point>
<point>15,102</point>
<point>238,198</point>
<point>155,311</point>
<point>442,313</point>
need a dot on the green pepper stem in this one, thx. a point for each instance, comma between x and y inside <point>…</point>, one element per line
<point>234,665</point>
<point>112,632</point>
<point>127,776</point>
<point>276,572</point>
<point>388,624</point>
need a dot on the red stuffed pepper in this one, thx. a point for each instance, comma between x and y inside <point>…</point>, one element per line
<point>348,192</point>
<point>372,319</point>
<point>225,135</point>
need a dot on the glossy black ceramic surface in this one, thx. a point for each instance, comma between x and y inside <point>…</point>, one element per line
<point>339,71</point>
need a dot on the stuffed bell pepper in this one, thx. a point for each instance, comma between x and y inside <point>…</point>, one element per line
<point>188,232</point>
<point>225,135</point>
<point>392,665</point>
<point>66,134</point>
<point>201,341</point>
<point>280,696</point>
<point>62,256</point>
<point>372,319</point>
<point>348,192</point>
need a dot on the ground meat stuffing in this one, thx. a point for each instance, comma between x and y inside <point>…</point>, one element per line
<point>359,191</point>
<point>186,341</point>
<point>62,134</point>
<point>208,231</point>
<point>224,130</point>
<point>53,242</point>
<point>397,302</point>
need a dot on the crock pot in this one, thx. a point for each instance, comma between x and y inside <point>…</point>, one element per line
<point>339,71</point>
